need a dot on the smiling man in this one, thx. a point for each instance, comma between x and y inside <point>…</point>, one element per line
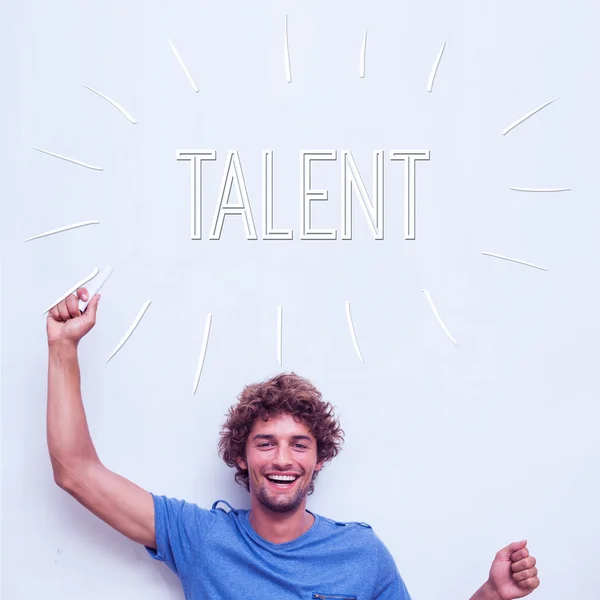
<point>278,437</point>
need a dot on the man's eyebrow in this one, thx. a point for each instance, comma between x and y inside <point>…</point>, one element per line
<point>267,436</point>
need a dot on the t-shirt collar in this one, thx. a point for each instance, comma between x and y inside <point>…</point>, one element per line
<point>245,519</point>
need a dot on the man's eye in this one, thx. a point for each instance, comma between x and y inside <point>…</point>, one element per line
<point>302,446</point>
<point>264,444</point>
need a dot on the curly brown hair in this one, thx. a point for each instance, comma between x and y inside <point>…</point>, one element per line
<point>286,393</point>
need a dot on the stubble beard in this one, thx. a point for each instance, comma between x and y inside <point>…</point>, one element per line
<point>281,505</point>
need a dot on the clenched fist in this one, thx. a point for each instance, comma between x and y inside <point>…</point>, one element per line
<point>513,573</point>
<point>66,323</point>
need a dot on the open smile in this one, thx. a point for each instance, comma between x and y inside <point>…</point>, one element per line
<point>282,482</point>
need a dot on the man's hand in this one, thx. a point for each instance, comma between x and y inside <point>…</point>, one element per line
<point>513,573</point>
<point>66,323</point>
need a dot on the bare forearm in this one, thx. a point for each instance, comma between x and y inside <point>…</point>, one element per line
<point>69,441</point>
<point>485,592</point>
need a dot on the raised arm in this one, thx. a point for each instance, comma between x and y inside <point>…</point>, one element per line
<point>77,469</point>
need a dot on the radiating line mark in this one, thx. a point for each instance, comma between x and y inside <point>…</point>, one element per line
<point>525,117</point>
<point>185,70</point>
<point>72,160</point>
<point>434,69</point>
<point>437,316</point>
<point>61,229</point>
<point>132,328</point>
<point>363,54</point>
<point>117,106</point>
<point>517,189</point>
<point>514,260</point>
<point>203,351</point>
<point>286,54</point>
<point>352,332</point>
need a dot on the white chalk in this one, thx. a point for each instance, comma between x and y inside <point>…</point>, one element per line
<point>96,285</point>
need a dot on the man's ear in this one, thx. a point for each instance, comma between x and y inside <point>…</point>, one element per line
<point>319,465</point>
<point>242,464</point>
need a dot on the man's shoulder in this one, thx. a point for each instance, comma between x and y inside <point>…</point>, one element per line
<point>176,509</point>
<point>346,524</point>
<point>361,530</point>
<point>354,537</point>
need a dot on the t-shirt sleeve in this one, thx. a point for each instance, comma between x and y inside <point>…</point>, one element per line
<point>180,527</point>
<point>389,585</point>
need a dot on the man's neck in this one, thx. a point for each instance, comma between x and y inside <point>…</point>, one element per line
<point>279,528</point>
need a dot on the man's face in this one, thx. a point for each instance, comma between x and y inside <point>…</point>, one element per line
<point>281,457</point>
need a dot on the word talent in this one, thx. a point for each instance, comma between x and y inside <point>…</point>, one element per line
<point>351,180</point>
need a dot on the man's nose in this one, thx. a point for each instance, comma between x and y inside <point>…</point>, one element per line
<point>283,456</point>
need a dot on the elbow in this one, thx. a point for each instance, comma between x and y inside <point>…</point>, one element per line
<point>60,479</point>
<point>63,476</point>
<point>57,470</point>
<point>69,478</point>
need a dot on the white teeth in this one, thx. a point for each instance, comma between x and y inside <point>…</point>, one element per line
<point>282,477</point>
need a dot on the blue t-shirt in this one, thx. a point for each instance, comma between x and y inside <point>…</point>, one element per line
<point>217,555</point>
